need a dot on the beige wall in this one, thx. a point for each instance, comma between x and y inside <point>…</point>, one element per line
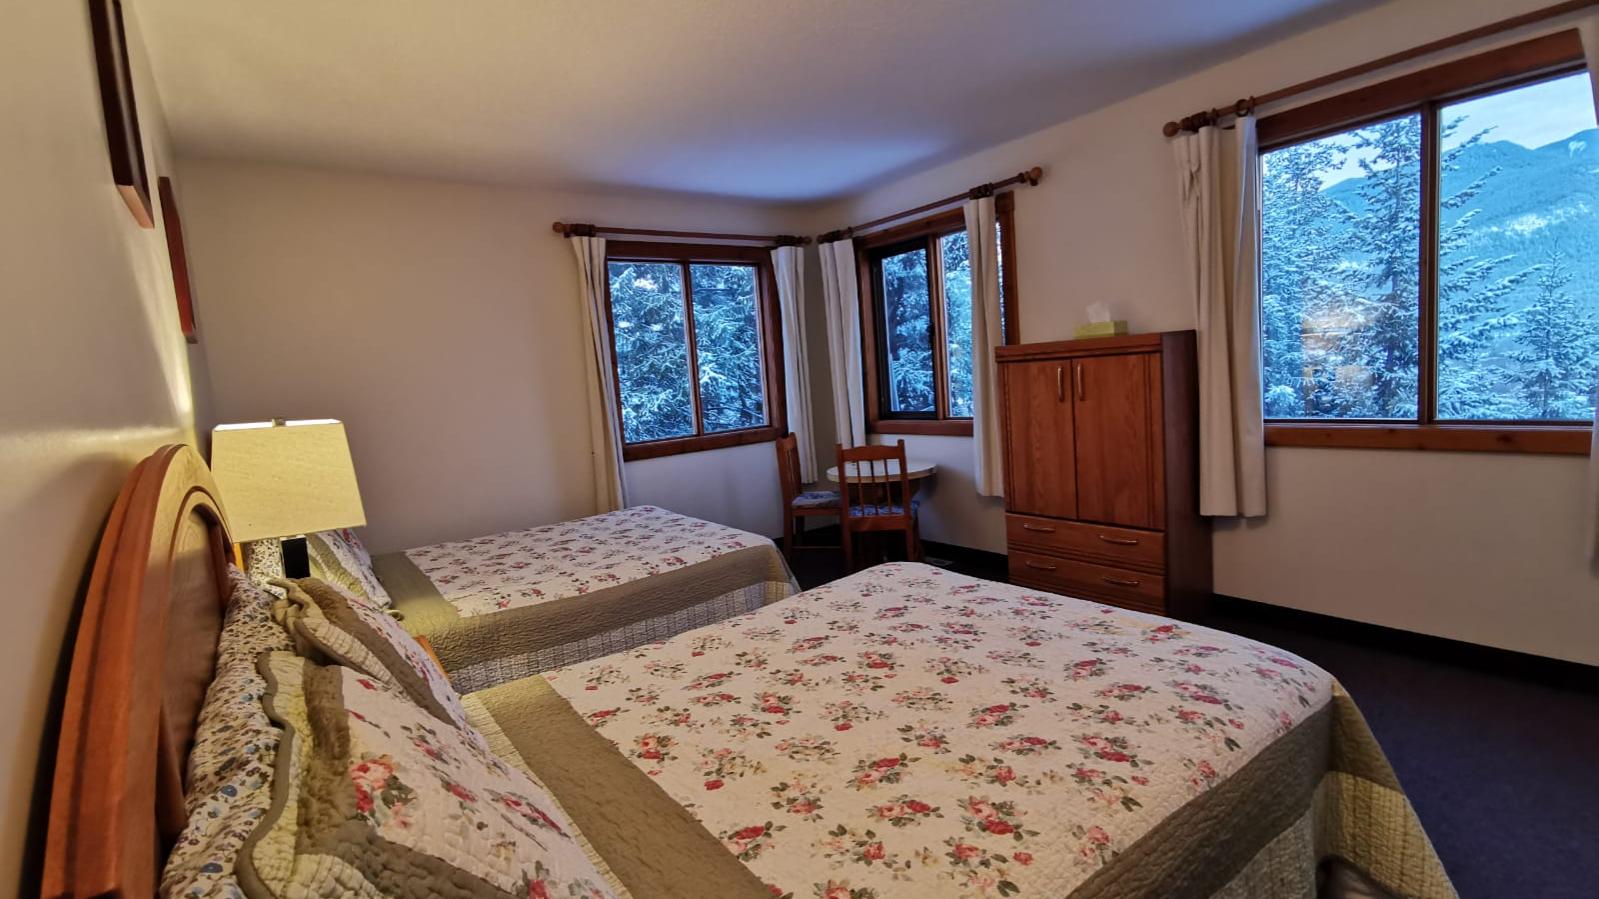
<point>441,322</point>
<point>1475,547</point>
<point>94,369</point>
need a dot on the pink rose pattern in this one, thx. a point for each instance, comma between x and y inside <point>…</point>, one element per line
<point>436,789</point>
<point>538,565</point>
<point>906,728</point>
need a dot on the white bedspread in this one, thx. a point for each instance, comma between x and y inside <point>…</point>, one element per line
<point>537,565</point>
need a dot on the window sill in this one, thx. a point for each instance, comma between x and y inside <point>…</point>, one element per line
<point>677,446</point>
<point>1547,439</point>
<point>960,427</point>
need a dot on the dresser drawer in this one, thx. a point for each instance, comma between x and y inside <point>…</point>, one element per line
<point>1133,589</point>
<point>1117,546</point>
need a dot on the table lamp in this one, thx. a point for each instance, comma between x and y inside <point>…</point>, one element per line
<point>279,481</point>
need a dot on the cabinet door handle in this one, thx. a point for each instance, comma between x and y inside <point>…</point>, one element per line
<point>1037,528</point>
<point>1060,383</point>
<point>1120,582</point>
<point>1040,566</point>
<point>1120,541</point>
<point>1077,374</point>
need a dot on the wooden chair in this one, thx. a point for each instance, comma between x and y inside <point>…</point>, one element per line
<point>867,476</point>
<point>799,503</point>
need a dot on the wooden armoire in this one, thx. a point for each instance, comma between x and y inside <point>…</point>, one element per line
<point>1101,451</point>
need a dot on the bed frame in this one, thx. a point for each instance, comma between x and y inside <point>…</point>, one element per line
<point>142,658</point>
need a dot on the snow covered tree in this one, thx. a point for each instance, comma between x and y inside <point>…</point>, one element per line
<point>956,257</point>
<point>1556,346</point>
<point>651,350</point>
<point>1386,345</point>
<point>727,338</point>
<point>1302,273</point>
<point>650,326</point>
<point>907,310</point>
<point>1473,317</point>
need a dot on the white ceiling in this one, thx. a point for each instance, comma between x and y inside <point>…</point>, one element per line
<point>789,100</point>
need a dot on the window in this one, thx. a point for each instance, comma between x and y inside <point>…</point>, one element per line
<point>916,315</point>
<point>1429,274</point>
<point>694,332</point>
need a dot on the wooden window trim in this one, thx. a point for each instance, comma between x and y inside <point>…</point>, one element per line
<point>927,228</point>
<point>1483,73</point>
<point>1425,92</point>
<point>1560,440</point>
<point>770,338</point>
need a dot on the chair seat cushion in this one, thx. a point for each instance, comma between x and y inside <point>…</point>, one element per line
<point>816,499</point>
<point>872,511</point>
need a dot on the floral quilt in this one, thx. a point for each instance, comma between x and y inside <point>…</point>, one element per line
<point>907,731</point>
<point>537,565</point>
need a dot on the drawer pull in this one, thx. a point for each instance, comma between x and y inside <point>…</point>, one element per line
<point>1040,566</point>
<point>1120,541</point>
<point>1037,528</point>
<point>1120,581</point>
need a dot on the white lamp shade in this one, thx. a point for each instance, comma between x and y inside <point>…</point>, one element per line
<point>288,478</point>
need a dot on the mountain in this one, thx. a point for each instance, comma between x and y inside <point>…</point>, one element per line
<point>1531,201</point>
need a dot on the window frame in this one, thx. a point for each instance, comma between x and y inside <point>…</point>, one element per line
<point>925,232</point>
<point>770,335</point>
<point>1425,92</point>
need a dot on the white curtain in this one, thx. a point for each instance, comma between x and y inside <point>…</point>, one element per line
<point>789,265</point>
<point>1218,181</point>
<point>983,251</point>
<point>605,430</point>
<point>1589,29</point>
<point>843,307</point>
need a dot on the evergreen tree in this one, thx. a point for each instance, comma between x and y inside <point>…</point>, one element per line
<point>1472,313</point>
<point>1555,350</point>
<point>1302,274</point>
<point>1385,347</point>
<point>957,266</point>
<point>728,347</point>
<point>651,350</point>
<point>908,311</point>
<point>650,328</point>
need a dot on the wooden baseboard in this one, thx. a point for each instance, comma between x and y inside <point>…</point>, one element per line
<point>1490,659</point>
<point>967,557</point>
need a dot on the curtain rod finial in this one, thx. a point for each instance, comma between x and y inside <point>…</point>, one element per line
<point>559,228</point>
<point>1033,175</point>
<point>1170,129</point>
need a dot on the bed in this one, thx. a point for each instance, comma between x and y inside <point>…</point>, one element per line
<point>902,732</point>
<point>506,606</point>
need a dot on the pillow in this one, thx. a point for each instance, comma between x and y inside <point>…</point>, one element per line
<point>235,746</point>
<point>374,796</point>
<point>338,557</point>
<point>335,627</point>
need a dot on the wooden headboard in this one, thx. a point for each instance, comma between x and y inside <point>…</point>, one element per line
<point>143,656</point>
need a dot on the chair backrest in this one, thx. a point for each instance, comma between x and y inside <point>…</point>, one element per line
<point>866,474</point>
<point>788,468</point>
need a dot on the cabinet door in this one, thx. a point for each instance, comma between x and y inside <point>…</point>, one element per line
<point>1115,440</point>
<point>1040,473</point>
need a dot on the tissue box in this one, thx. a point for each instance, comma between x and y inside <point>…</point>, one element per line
<point>1102,329</point>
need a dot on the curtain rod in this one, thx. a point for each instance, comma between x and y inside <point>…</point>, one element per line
<point>582,230</point>
<point>1245,107</point>
<point>1030,177</point>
